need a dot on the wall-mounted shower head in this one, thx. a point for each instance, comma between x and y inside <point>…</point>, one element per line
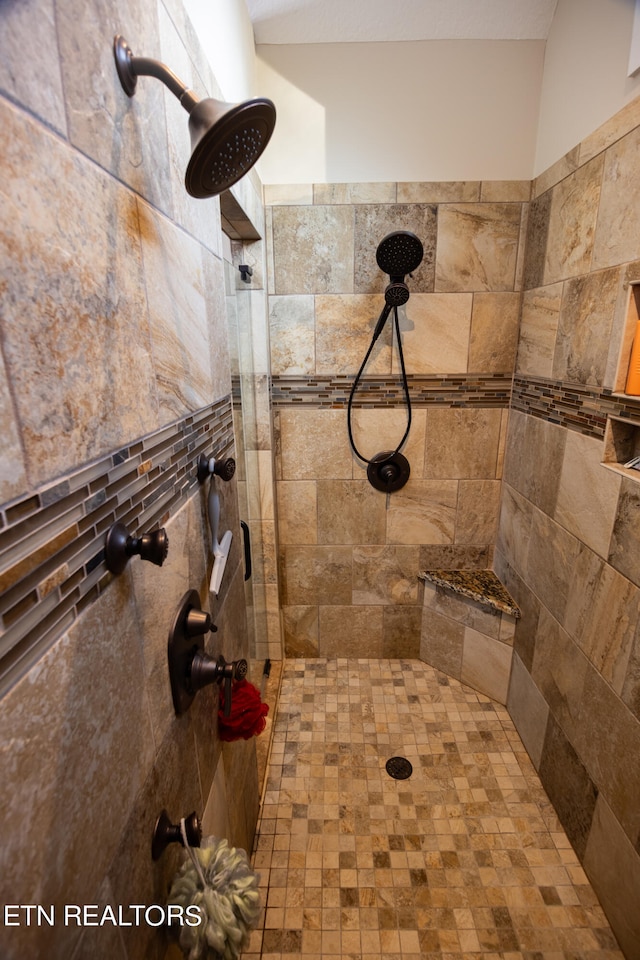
<point>226,138</point>
<point>399,253</point>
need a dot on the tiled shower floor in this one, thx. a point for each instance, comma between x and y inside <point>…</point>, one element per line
<point>464,859</point>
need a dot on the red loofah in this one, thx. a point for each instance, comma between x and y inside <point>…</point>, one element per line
<point>248,712</point>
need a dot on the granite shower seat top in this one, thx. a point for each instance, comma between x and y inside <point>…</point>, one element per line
<point>482,586</point>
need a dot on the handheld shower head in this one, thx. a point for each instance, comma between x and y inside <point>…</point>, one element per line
<point>399,253</point>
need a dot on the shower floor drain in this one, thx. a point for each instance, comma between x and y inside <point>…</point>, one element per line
<point>399,768</point>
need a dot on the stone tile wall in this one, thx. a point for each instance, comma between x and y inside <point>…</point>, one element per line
<point>568,533</point>
<point>349,559</point>
<point>114,376</point>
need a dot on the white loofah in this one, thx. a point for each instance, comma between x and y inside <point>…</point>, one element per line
<point>229,903</point>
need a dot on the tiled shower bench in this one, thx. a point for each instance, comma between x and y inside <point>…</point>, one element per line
<point>468,626</point>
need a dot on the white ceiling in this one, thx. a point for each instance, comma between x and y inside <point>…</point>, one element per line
<point>343,21</point>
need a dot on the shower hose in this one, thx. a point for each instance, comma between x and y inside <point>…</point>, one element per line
<point>405,387</point>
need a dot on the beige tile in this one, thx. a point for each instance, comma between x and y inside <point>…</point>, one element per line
<point>294,194</point>
<point>572,223</point>
<point>350,511</point>
<point>604,625</point>
<point>477,246</point>
<point>313,249</point>
<point>401,629</point>
<point>88,319</point>
<point>13,479</point>
<point>423,511</point>
<point>607,734</point>
<point>616,240</point>
<point>587,494</point>
<point>528,709</point>
<point>259,490</point>
<point>552,554</point>
<point>343,329</point>
<point>314,444</point>
<point>292,335</point>
<point>385,574</point>
<point>55,720</point>
<point>439,192</point>
<point>316,574</point>
<point>558,672</point>
<point>297,511</point>
<point>22,30</point>
<point>486,664</point>
<point>462,443</point>
<point>585,322</point>
<point>379,430</point>
<point>511,191</point>
<point>373,222</point>
<point>350,631</point>
<point>536,478</point>
<point>615,127</point>
<point>441,640</point>
<point>354,193</point>
<point>556,172</point>
<point>178,315</point>
<point>300,624</point>
<point>477,511</point>
<point>611,863</point>
<point>435,332</point>
<point>494,332</point>
<point>514,528</point>
<point>538,330</point>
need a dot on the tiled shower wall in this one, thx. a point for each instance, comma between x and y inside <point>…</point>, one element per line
<point>569,532</point>
<point>349,557</point>
<point>114,376</point>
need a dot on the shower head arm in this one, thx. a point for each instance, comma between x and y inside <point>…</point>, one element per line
<point>130,68</point>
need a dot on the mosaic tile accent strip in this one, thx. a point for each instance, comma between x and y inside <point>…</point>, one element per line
<point>52,539</point>
<point>466,858</point>
<point>572,405</point>
<point>464,390</point>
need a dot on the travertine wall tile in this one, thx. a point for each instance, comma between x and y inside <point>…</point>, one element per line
<point>385,575</point>
<point>350,511</point>
<point>313,249</point>
<point>423,511</point>
<point>313,444</point>
<point>612,865</point>
<point>343,330</point>
<point>350,631</point>
<point>354,193</point>
<point>572,223</point>
<point>439,192</point>
<point>292,334</point>
<point>587,495</point>
<point>486,664</point>
<point>297,511</point>
<point>466,234</point>
<point>616,240</point>
<point>372,223</point>
<point>80,358</point>
<point>435,333</point>
<point>528,709</point>
<point>494,332</point>
<point>585,322</point>
<point>462,443</point>
<point>538,330</point>
<point>313,575</point>
<point>21,31</point>
<point>477,511</point>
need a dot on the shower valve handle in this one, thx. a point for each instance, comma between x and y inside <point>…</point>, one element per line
<point>205,670</point>
<point>120,547</point>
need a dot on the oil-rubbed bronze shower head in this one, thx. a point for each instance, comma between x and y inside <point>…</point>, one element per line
<point>226,138</point>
